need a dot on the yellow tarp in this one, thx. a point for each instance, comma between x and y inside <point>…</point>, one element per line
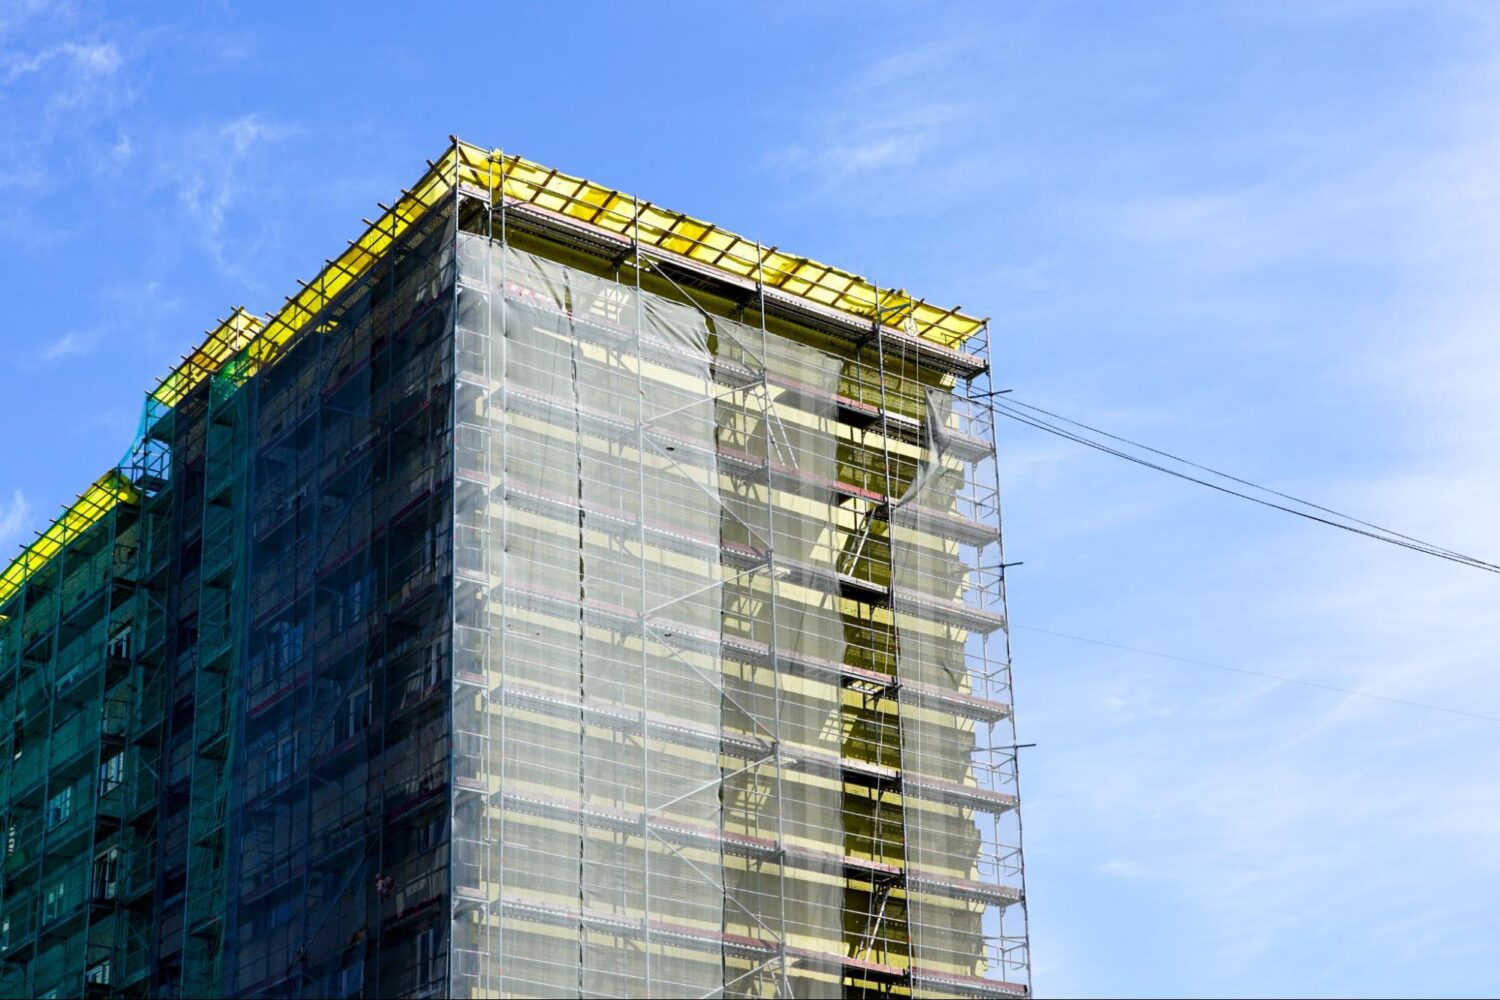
<point>90,508</point>
<point>533,184</point>
<point>223,342</point>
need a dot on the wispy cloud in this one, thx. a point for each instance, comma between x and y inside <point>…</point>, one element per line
<point>210,174</point>
<point>15,517</point>
<point>72,60</point>
<point>70,344</point>
<point>16,14</point>
<point>70,88</point>
<point>1270,824</point>
<point>1121,868</point>
<point>901,113</point>
<point>851,143</point>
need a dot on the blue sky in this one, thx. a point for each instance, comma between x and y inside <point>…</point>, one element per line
<point>1263,236</point>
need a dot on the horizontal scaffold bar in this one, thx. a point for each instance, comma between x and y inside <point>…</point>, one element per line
<point>633,721</point>
<point>722,942</point>
<point>705,245</point>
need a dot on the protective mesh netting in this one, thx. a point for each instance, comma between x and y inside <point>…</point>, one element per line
<point>654,626</point>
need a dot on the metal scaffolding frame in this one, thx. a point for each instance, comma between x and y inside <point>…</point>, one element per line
<point>890,409</point>
<point>558,594</point>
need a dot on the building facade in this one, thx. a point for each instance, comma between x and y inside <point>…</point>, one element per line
<point>559,596</point>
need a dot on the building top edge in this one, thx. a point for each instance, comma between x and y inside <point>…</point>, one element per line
<point>252,343</point>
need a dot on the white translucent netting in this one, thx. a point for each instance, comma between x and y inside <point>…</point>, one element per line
<point>929,579</point>
<point>605,552</point>
<point>650,584</point>
<point>789,422</point>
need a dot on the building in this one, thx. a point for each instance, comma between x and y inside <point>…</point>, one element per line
<point>559,595</point>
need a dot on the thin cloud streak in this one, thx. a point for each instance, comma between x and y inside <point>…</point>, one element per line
<point>15,517</point>
<point>1277,819</point>
<point>209,178</point>
<point>69,345</point>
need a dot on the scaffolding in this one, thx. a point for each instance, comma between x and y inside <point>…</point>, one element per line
<point>340,859</point>
<point>221,591</point>
<point>730,687</point>
<point>558,595</point>
<point>68,666</point>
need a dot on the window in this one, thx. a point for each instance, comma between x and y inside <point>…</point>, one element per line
<point>280,760</point>
<point>427,957</point>
<point>67,680</point>
<point>60,807</point>
<point>17,737</point>
<point>180,764</point>
<point>611,303</point>
<point>287,650</point>
<point>111,774</point>
<point>430,834</point>
<point>355,715</point>
<point>98,973</point>
<point>12,837</point>
<point>359,596</point>
<point>187,660</point>
<point>273,763</point>
<point>119,644</point>
<point>356,603</point>
<point>52,903</point>
<point>5,934</point>
<point>106,874</point>
<point>352,981</point>
<point>280,915</point>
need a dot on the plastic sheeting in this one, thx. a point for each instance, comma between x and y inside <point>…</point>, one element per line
<point>610,209</point>
<point>593,841</point>
<point>789,421</point>
<point>652,719</point>
<point>928,574</point>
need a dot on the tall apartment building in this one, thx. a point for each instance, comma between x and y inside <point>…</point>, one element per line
<point>558,596</point>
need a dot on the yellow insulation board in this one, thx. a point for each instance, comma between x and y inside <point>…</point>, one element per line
<point>529,183</point>
<point>705,243</point>
<point>89,509</point>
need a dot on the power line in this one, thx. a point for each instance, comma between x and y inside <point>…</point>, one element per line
<point>1262,674</point>
<point>1353,525</point>
<point>1380,534</point>
<point>1225,475</point>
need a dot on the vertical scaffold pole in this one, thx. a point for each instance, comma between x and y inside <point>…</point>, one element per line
<point>1014,751</point>
<point>894,692</point>
<point>773,650</point>
<point>452,623</point>
<point>640,457</point>
<point>496,379</point>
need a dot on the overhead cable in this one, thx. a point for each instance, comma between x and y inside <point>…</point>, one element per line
<point>1012,408</point>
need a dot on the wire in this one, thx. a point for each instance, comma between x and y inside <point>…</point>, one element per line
<point>1225,475</point>
<point>1380,534</point>
<point>1266,676</point>
<point>1368,530</point>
